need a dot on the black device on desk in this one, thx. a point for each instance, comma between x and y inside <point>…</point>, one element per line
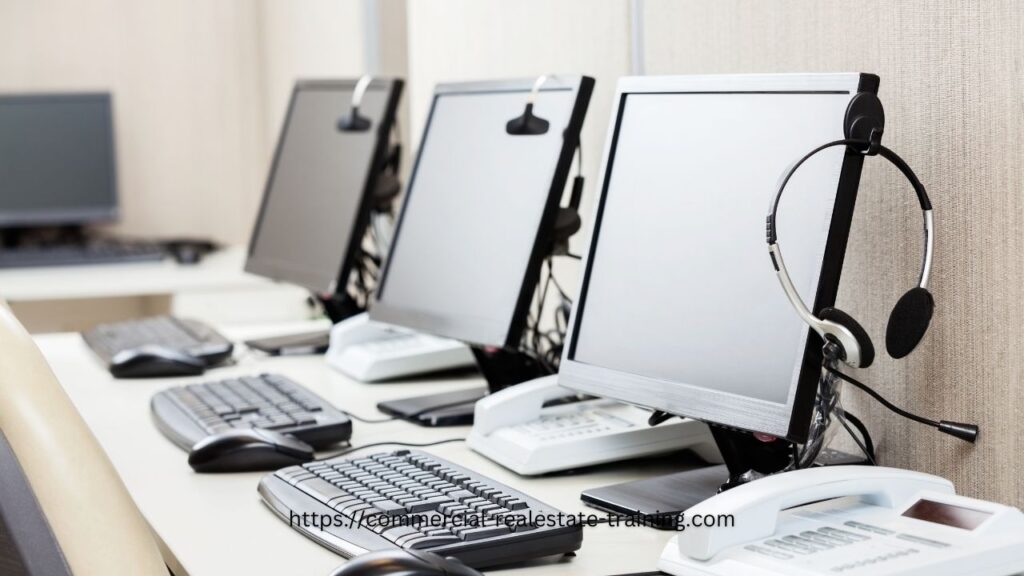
<point>331,185</point>
<point>707,333</point>
<point>250,423</point>
<point>158,346</point>
<point>80,252</point>
<point>480,219</point>
<point>404,563</point>
<point>462,513</point>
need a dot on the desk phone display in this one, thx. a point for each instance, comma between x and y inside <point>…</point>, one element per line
<point>856,520</point>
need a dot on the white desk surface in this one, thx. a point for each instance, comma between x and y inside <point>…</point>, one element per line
<point>220,270</point>
<point>216,524</point>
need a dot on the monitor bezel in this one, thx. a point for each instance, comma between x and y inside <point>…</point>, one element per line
<point>582,87</point>
<point>71,217</point>
<point>680,399</point>
<point>253,263</point>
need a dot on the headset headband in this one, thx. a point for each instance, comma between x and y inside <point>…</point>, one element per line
<point>868,148</point>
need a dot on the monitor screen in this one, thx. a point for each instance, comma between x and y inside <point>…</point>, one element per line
<point>467,247</point>
<point>680,309</point>
<point>313,213</point>
<point>56,160</point>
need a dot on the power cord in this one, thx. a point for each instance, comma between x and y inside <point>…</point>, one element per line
<point>352,449</point>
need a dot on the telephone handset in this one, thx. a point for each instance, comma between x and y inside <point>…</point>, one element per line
<point>530,429</point>
<point>847,520</point>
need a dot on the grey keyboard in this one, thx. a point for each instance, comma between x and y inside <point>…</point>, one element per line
<point>414,500</point>
<point>187,414</point>
<point>75,254</point>
<point>189,336</point>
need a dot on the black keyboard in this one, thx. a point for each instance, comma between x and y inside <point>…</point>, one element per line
<point>413,500</point>
<point>188,336</point>
<point>87,253</point>
<point>187,414</point>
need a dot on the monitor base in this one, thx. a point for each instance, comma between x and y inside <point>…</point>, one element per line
<point>658,502</point>
<point>446,409</point>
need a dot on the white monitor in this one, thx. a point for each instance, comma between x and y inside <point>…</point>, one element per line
<point>317,200</point>
<point>679,308</point>
<point>479,210</point>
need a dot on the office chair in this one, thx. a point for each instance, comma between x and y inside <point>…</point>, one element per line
<point>63,509</point>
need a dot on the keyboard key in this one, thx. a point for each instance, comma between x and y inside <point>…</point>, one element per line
<point>431,541</point>
<point>390,508</point>
<point>397,532</point>
<point>484,532</point>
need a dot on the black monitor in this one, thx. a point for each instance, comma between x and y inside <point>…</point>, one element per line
<point>479,218</point>
<point>479,210</point>
<point>679,308</point>
<point>322,183</point>
<point>57,160</point>
<point>678,267</point>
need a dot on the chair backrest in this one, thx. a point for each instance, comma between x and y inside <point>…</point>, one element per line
<point>63,508</point>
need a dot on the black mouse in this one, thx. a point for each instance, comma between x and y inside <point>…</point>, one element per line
<point>189,251</point>
<point>404,563</point>
<point>153,361</point>
<point>248,450</point>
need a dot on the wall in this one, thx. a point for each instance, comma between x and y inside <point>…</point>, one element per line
<point>952,78</point>
<point>472,40</point>
<point>200,89</point>
<point>303,40</point>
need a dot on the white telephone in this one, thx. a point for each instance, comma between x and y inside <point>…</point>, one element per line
<point>371,351</point>
<point>513,428</point>
<point>852,520</point>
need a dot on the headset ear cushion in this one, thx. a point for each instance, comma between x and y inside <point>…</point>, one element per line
<point>867,349</point>
<point>908,322</point>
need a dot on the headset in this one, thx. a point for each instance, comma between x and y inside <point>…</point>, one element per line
<point>908,322</point>
<point>912,313</point>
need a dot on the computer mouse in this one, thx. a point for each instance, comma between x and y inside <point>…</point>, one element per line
<point>189,251</point>
<point>248,450</point>
<point>153,361</point>
<point>404,563</point>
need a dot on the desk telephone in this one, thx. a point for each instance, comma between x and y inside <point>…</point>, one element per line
<point>514,428</point>
<point>850,520</point>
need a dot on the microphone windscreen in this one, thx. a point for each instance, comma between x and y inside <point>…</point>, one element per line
<point>908,322</point>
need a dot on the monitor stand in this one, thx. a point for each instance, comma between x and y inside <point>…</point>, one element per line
<point>658,502</point>
<point>337,307</point>
<point>501,368</point>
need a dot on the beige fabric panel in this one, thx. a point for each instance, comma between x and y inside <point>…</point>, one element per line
<point>952,84</point>
<point>97,525</point>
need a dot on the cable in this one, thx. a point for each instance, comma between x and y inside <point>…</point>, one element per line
<point>870,392</point>
<point>863,448</point>
<point>864,434</point>
<point>406,444</point>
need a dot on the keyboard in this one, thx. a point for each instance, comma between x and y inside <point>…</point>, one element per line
<point>414,500</point>
<point>187,414</point>
<point>87,253</point>
<point>188,336</point>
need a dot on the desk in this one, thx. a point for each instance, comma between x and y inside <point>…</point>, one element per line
<point>73,298</point>
<point>216,524</point>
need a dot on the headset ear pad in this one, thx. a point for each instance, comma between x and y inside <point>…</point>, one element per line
<point>867,349</point>
<point>908,322</point>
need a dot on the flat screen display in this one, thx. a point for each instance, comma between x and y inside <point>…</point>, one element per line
<point>472,214</point>
<point>680,309</point>
<point>56,160</point>
<point>313,196</point>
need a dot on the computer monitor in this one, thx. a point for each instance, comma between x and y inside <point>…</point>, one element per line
<point>479,210</point>
<point>679,308</point>
<point>57,160</point>
<point>318,197</point>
